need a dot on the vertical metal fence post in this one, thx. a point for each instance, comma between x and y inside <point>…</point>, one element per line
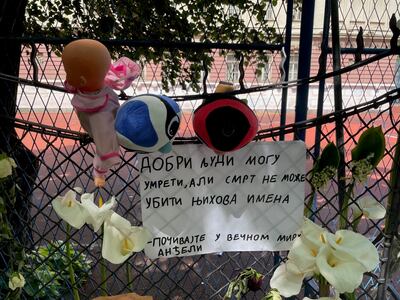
<point>305,50</point>
<point>288,42</point>
<point>391,224</point>
<point>337,85</point>
<point>12,14</point>
<point>11,22</point>
<point>322,69</point>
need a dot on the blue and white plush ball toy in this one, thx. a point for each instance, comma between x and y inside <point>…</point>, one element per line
<point>147,123</point>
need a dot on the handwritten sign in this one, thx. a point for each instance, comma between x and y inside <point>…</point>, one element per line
<point>195,201</point>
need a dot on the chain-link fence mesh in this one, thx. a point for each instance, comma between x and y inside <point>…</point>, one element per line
<point>63,160</point>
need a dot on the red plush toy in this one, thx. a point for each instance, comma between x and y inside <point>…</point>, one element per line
<point>225,123</point>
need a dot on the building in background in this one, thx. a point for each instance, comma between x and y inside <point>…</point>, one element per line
<point>360,85</point>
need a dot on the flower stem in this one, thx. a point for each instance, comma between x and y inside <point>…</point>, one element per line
<point>128,276</point>
<point>345,206</point>
<point>70,266</point>
<point>103,269</point>
<point>356,221</point>
<point>350,296</point>
<point>103,272</point>
<point>309,202</point>
<point>323,287</point>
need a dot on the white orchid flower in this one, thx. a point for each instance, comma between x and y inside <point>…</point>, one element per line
<point>344,276</point>
<point>121,239</point>
<point>287,279</point>
<point>95,215</point>
<point>369,207</point>
<point>69,209</point>
<point>351,246</point>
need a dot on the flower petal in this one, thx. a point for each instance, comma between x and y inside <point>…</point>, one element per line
<point>5,167</point>
<point>112,241</point>
<point>303,255</point>
<point>344,276</point>
<point>121,223</point>
<point>69,209</point>
<point>311,234</point>
<point>13,164</point>
<point>286,280</point>
<point>140,236</point>
<point>78,189</point>
<point>121,239</point>
<point>349,245</point>
<point>95,215</point>
<point>108,206</point>
<point>369,207</point>
<point>16,281</point>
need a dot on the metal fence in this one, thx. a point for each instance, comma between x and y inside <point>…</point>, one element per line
<point>61,154</point>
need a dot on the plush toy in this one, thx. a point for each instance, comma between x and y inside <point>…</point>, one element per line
<point>147,123</point>
<point>91,77</point>
<point>224,123</point>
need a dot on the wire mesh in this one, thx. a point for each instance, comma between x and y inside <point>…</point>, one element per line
<point>61,163</point>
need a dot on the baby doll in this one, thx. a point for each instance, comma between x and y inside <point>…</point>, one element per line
<point>86,63</point>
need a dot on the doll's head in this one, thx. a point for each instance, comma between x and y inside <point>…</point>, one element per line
<point>86,63</point>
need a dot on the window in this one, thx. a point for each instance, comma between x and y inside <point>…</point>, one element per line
<point>397,73</point>
<point>263,71</point>
<point>293,66</point>
<point>232,68</point>
<point>270,12</point>
<point>296,14</point>
<point>39,58</point>
<point>232,11</point>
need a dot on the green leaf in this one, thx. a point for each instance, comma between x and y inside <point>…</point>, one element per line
<point>349,296</point>
<point>43,251</point>
<point>325,167</point>
<point>3,155</point>
<point>328,158</point>
<point>371,142</point>
<point>154,20</point>
<point>272,295</point>
<point>47,274</point>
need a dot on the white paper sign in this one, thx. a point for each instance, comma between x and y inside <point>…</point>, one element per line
<point>195,201</point>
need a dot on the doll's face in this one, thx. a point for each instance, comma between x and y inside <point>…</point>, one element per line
<point>86,63</point>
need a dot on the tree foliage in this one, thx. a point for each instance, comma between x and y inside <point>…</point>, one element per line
<point>159,20</point>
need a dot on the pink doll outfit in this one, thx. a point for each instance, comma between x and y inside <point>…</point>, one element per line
<point>96,112</point>
<point>122,73</point>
